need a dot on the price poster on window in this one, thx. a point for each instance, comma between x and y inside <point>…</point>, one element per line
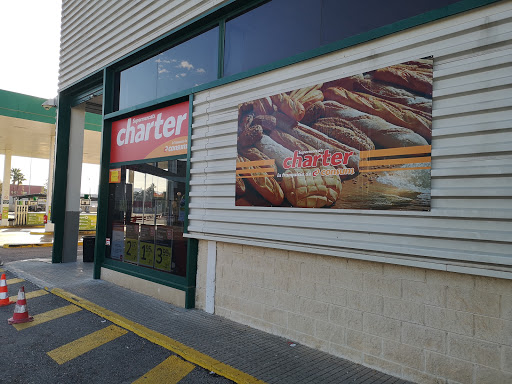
<point>131,243</point>
<point>147,245</point>
<point>163,252</point>
<point>117,243</point>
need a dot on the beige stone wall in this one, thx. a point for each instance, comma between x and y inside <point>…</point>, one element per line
<point>202,254</point>
<point>422,325</point>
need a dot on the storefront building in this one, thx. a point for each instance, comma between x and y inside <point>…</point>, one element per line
<point>337,174</point>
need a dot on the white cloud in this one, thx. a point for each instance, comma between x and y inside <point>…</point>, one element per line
<point>185,64</point>
<point>200,70</point>
<point>163,70</point>
<point>183,74</point>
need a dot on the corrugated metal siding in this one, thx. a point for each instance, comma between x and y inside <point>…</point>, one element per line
<point>96,33</point>
<point>470,222</point>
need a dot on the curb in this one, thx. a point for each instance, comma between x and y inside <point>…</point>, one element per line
<point>32,245</point>
<point>172,345</point>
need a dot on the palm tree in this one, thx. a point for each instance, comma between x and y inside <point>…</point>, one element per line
<point>17,178</point>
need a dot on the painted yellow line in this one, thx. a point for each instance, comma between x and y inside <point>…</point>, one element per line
<point>27,245</point>
<point>31,295</point>
<point>85,344</point>
<point>14,281</point>
<point>170,371</point>
<point>48,316</point>
<point>187,353</point>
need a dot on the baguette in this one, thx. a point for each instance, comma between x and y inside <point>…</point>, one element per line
<point>344,132</point>
<point>274,151</point>
<point>416,81</point>
<point>382,133</point>
<point>290,142</point>
<point>397,95</point>
<point>391,112</point>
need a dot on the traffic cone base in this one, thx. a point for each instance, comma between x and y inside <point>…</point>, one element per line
<point>20,311</point>
<point>4,296</point>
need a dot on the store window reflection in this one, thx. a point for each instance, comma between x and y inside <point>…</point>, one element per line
<point>147,215</point>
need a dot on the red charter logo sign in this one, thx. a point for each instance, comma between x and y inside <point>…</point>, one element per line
<point>151,135</point>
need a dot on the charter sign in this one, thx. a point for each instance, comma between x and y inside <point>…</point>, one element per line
<point>151,135</point>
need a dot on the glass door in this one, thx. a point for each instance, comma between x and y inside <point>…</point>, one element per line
<point>147,214</point>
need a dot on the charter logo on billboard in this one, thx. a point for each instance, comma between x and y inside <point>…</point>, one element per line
<point>159,133</point>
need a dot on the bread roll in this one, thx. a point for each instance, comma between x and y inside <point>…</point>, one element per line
<point>307,188</point>
<point>289,106</point>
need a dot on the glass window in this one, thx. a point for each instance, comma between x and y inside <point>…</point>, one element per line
<point>146,216</point>
<point>184,66</point>
<point>283,28</point>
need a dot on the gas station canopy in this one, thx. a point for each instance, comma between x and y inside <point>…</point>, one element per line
<point>26,128</point>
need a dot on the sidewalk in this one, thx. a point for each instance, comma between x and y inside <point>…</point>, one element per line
<point>265,357</point>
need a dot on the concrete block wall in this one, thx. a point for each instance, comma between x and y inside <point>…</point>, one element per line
<point>423,325</point>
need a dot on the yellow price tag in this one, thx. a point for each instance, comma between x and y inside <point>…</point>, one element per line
<point>147,253</point>
<point>130,250</point>
<point>163,257</point>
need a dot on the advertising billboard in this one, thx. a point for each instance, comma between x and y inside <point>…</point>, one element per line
<point>360,142</point>
<point>151,135</point>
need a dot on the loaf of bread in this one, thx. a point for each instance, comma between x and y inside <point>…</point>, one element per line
<point>308,188</point>
<point>346,82</point>
<point>289,142</point>
<point>345,132</point>
<point>289,106</point>
<point>263,183</point>
<point>391,112</point>
<point>407,77</point>
<point>313,113</point>
<point>240,184</point>
<point>396,95</point>
<point>382,133</point>
<point>274,150</point>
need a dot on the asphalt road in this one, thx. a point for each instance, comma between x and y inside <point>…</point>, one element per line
<point>16,254</point>
<point>52,351</point>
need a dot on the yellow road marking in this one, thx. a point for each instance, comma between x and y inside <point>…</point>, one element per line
<point>14,281</point>
<point>2,270</point>
<point>85,344</point>
<point>187,353</point>
<point>170,371</point>
<point>48,316</point>
<point>31,295</point>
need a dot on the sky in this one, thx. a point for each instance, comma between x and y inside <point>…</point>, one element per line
<point>29,64</point>
<point>30,31</point>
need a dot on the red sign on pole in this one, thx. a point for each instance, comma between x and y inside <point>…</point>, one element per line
<point>151,135</point>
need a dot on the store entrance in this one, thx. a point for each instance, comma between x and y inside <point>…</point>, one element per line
<point>146,215</point>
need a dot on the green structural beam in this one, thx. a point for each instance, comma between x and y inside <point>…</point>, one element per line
<point>27,107</point>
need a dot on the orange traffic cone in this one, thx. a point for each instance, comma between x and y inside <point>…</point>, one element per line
<point>20,311</point>
<point>4,296</point>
